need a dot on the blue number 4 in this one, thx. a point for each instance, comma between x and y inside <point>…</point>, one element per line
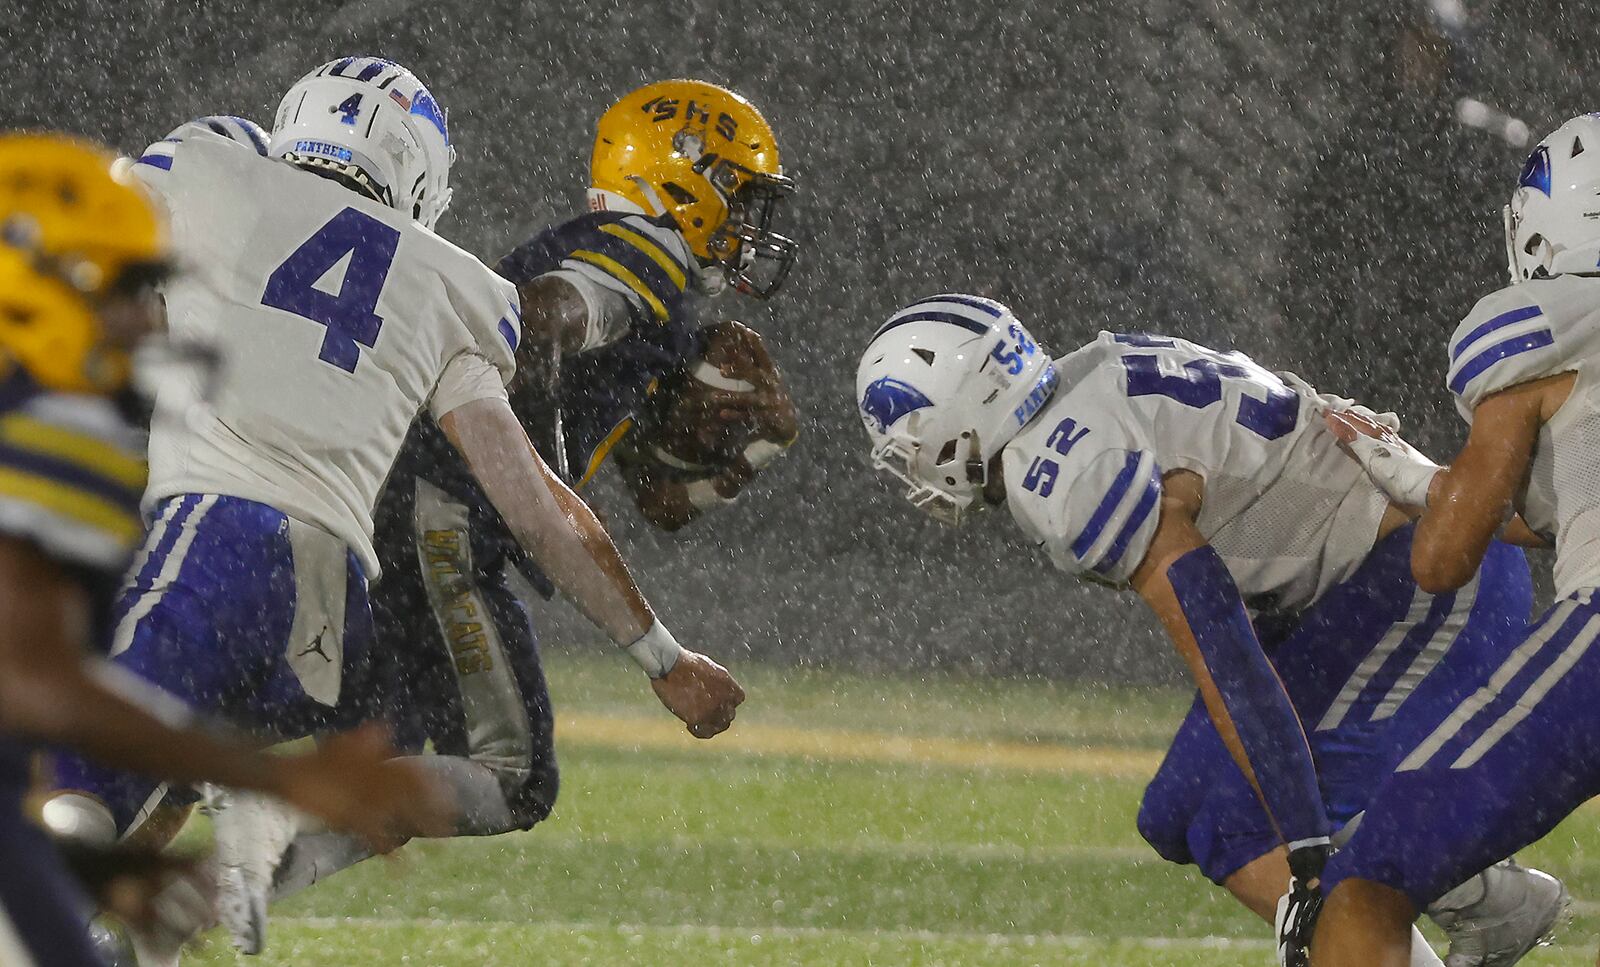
<point>348,109</point>
<point>351,316</point>
<point>1200,384</point>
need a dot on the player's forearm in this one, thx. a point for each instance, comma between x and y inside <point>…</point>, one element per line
<point>1471,500</point>
<point>1243,694</point>
<point>1454,533</point>
<point>670,503</point>
<point>581,560</point>
<point>555,527</point>
<point>67,707</point>
<point>661,502</point>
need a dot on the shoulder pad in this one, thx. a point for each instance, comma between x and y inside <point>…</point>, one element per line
<point>645,260</point>
<point>1521,333</point>
<point>71,475</point>
<point>1094,508</point>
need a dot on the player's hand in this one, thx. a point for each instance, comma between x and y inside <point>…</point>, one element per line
<point>1346,425</point>
<point>166,897</point>
<point>354,783</point>
<point>1401,471</point>
<point>701,693</point>
<point>726,420</point>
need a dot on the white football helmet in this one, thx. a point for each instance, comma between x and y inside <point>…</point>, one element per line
<point>370,121</point>
<point>942,387</point>
<point>1553,221</point>
<point>242,130</point>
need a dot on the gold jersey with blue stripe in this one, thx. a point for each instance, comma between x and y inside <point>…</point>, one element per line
<point>72,471</point>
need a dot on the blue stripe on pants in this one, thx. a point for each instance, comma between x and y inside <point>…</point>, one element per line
<point>1443,816</point>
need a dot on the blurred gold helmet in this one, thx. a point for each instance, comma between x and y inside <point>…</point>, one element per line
<point>81,249</point>
<point>707,157</point>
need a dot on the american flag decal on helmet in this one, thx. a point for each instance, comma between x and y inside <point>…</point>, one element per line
<point>400,99</point>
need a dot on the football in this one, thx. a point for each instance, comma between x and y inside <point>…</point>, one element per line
<point>723,405</point>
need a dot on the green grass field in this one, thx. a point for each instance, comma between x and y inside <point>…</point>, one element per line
<point>847,820</point>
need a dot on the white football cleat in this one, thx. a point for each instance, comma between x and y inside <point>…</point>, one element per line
<point>1498,916</point>
<point>184,908</point>
<point>253,833</point>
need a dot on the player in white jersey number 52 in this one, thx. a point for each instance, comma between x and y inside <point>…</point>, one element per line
<point>1210,486</point>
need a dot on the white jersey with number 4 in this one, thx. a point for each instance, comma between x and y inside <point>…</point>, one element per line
<point>1526,332</point>
<point>1289,513</point>
<point>338,320</point>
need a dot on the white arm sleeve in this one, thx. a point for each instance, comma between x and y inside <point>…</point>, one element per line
<point>468,376</point>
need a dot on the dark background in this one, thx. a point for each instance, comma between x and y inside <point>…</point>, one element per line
<point>1287,179</point>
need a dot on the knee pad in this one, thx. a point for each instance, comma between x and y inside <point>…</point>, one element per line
<point>1165,830</point>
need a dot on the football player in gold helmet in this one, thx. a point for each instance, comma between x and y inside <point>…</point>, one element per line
<point>80,251</point>
<point>707,158</point>
<point>684,187</point>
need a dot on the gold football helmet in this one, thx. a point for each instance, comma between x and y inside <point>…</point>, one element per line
<point>81,250</point>
<point>707,157</point>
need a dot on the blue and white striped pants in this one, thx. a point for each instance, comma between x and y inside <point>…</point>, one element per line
<point>1375,660</point>
<point>1515,756</point>
<point>243,614</point>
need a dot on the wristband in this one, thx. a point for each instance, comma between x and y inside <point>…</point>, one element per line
<point>1398,468</point>
<point>656,651</point>
<point>703,494</point>
<point>762,452</point>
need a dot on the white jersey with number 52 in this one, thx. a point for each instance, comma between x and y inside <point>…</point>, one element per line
<point>1289,513</point>
<point>338,320</point>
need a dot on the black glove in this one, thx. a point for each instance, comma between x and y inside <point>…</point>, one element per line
<point>1298,909</point>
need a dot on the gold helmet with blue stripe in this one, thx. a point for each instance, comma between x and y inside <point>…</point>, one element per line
<point>81,250</point>
<point>707,157</point>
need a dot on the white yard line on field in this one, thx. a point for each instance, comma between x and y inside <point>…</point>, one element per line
<point>1068,940</point>
<point>867,846</point>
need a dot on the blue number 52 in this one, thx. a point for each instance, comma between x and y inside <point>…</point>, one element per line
<point>351,316</point>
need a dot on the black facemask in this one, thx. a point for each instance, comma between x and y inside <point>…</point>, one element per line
<point>759,259</point>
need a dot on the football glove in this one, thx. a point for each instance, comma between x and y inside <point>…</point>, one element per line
<point>1298,909</point>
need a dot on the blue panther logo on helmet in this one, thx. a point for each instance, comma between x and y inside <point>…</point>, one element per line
<point>887,400</point>
<point>1536,172</point>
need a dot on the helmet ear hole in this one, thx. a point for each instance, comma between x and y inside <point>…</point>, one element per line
<point>1577,147</point>
<point>680,194</point>
<point>947,453</point>
<point>1532,246</point>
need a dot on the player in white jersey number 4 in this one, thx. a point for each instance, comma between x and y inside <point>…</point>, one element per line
<point>1518,754</point>
<point>1209,485</point>
<point>339,315</point>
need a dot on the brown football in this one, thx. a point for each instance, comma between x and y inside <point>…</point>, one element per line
<point>692,432</point>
